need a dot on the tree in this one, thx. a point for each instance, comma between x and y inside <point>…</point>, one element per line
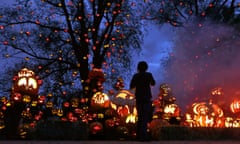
<point>179,12</point>
<point>62,41</point>
<point>67,39</point>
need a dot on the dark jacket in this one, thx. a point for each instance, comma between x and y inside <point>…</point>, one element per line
<point>141,82</point>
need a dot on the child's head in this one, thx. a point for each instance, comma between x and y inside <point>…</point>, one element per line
<point>142,66</point>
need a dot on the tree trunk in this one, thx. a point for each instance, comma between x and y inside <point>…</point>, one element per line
<point>12,120</point>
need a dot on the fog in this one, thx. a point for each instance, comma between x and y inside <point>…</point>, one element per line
<point>205,56</point>
<point>194,60</point>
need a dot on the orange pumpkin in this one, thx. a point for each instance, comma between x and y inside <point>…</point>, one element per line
<point>96,127</point>
<point>123,110</point>
<point>235,106</point>
<point>101,100</point>
<point>66,104</point>
<point>26,82</point>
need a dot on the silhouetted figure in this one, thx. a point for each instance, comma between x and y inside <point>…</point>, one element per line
<point>141,82</point>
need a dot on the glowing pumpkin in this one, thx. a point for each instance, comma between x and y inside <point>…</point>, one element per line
<point>123,110</point>
<point>78,111</point>
<point>26,99</point>
<point>34,103</point>
<point>123,98</point>
<point>41,99</point>
<point>3,99</point>
<point>122,132</point>
<point>172,110</point>
<point>26,82</point>
<point>165,89</point>
<point>228,122</point>
<point>23,130</point>
<point>206,115</point>
<point>131,118</point>
<point>60,112</point>
<point>54,111</point>
<point>49,104</point>
<point>100,99</point>
<point>66,104</point>
<point>96,127</point>
<point>235,106</point>
<point>16,97</point>
<point>71,117</point>
<point>109,123</point>
<point>2,124</point>
<point>74,102</point>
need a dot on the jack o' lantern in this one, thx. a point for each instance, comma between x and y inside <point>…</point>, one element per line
<point>16,97</point>
<point>205,115</point>
<point>74,102</point>
<point>26,99</point>
<point>109,123</point>
<point>34,103</point>
<point>235,106</point>
<point>23,130</point>
<point>228,122</point>
<point>123,110</point>
<point>60,112</point>
<point>2,124</point>
<point>96,128</point>
<point>26,82</point>
<point>3,99</point>
<point>100,100</point>
<point>49,104</point>
<point>66,104</point>
<point>172,110</point>
<point>123,98</point>
<point>41,99</point>
<point>131,118</point>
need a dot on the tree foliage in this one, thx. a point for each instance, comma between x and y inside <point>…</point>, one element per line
<point>66,39</point>
<point>178,12</point>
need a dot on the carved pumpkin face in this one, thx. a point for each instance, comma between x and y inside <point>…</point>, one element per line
<point>49,104</point>
<point>110,123</point>
<point>165,89</point>
<point>26,82</point>
<point>123,110</point>
<point>29,83</point>
<point>131,118</point>
<point>66,104</point>
<point>41,99</point>
<point>16,96</point>
<point>172,109</point>
<point>75,102</point>
<point>26,99</point>
<point>205,115</point>
<point>96,127</point>
<point>122,98</point>
<point>228,122</point>
<point>60,112</point>
<point>100,99</point>
<point>2,124</point>
<point>235,106</point>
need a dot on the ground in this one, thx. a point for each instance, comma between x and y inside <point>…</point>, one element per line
<point>119,142</point>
